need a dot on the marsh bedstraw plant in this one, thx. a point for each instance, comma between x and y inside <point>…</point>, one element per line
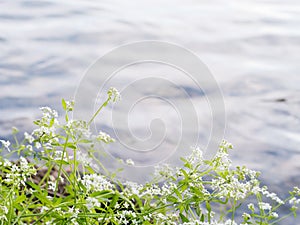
<point>54,181</point>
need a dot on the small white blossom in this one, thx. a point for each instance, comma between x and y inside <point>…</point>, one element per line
<point>4,209</point>
<point>30,148</point>
<point>274,214</point>
<point>251,206</point>
<point>296,191</point>
<point>38,145</point>
<point>246,216</point>
<point>51,185</point>
<point>117,205</point>
<point>19,174</point>
<point>163,170</point>
<point>95,182</point>
<point>132,188</point>
<point>196,157</point>
<point>5,144</point>
<point>7,163</point>
<point>294,201</point>
<point>92,203</point>
<point>44,209</point>
<point>114,94</point>
<point>105,137</point>
<point>85,160</point>
<point>3,217</point>
<point>74,212</point>
<point>70,105</point>
<point>28,137</point>
<point>273,196</point>
<point>48,112</point>
<point>264,206</point>
<point>130,162</point>
<point>126,205</point>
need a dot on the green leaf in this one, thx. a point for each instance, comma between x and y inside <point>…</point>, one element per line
<point>114,200</point>
<point>102,194</point>
<point>183,218</point>
<point>62,162</point>
<point>64,104</point>
<point>202,218</point>
<point>84,141</point>
<point>184,173</point>
<point>43,198</point>
<point>34,186</point>
<point>208,207</point>
<point>177,193</point>
<point>172,199</point>
<point>71,145</point>
<point>19,199</point>
<point>51,122</point>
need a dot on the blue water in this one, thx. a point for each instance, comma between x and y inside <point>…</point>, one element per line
<point>251,47</point>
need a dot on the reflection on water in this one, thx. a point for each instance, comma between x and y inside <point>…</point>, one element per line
<point>252,48</point>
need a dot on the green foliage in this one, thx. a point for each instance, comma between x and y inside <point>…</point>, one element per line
<point>55,182</point>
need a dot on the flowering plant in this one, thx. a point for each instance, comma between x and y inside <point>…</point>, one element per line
<point>54,182</point>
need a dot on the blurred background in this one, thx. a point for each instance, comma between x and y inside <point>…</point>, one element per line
<point>252,48</point>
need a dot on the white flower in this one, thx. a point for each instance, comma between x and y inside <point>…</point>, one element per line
<point>264,206</point>
<point>5,144</point>
<point>85,160</point>
<point>126,205</point>
<point>7,163</point>
<point>51,185</point>
<point>30,148</point>
<point>114,94</point>
<point>38,145</point>
<point>79,128</point>
<point>296,191</point>
<point>163,170</point>
<point>130,162</point>
<point>49,113</point>
<point>117,205</point>
<point>19,174</point>
<point>105,137</point>
<point>251,206</point>
<point>246,216</point>
<point>4,209</point>
<point>74,212</point>
<point>92,203</point>
<point>28,137</point>
<point>70,105</point>
<point>132,188</point>
<point>294,201</point>
<point>196,157</point>
<point>273,196</point>
<point>231,187</point>
<point>95,182</point>
<point>3,217</point>
<point>44,209</point>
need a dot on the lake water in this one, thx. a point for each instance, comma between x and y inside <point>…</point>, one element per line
<point>252,48</point>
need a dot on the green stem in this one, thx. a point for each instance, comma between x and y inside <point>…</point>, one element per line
<point>60,165</point>
<point>98,111</point>
<point>233,211</point>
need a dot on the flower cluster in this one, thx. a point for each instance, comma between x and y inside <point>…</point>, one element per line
<point>95,182</point>
<point>105,137</point>
<point>114,94</point>
<point>17,174</point>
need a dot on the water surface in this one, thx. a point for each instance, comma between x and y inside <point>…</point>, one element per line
<point>251,47</point>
